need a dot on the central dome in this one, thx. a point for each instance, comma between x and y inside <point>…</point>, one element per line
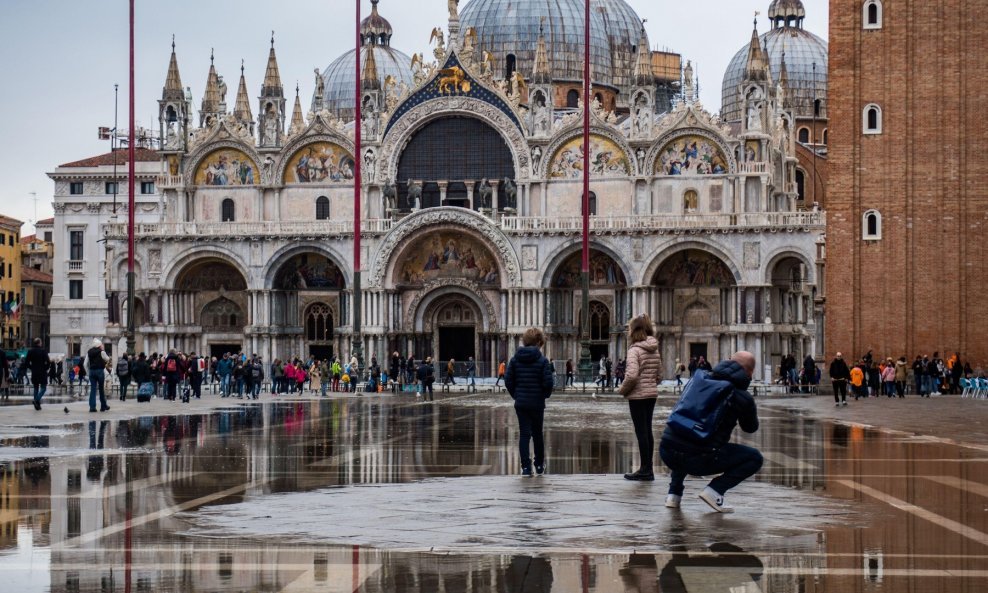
<point>510,30</point>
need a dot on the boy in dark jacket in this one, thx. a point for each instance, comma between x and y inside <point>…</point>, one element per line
<point>528,379</point>
<point>735,463</point>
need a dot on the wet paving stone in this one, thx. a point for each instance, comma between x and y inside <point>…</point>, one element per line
<point>396,494</point>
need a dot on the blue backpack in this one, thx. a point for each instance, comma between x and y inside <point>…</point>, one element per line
<point>700,409</point>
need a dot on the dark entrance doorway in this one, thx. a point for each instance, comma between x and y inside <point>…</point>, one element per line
<point>321,352</point>
<point>698,349</point>
<point>218,350</point>
<point>596,351</point>
<point>456,342</point>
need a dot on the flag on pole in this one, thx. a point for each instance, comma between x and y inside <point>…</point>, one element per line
<point>13,308</point>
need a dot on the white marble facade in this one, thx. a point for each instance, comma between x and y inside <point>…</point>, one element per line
<point>711,245</point>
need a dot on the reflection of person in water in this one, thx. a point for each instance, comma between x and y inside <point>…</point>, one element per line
<point>640,574</point>
<point>736,569</point>
<point>524,573</point>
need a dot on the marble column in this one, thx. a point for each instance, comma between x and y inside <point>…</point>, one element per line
<point>495,202</point>
<point>443,187</point>
<point>470,185</point>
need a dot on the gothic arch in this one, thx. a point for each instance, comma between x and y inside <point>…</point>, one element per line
<point>432,292</point>
<point>286,253</point>
<point>567,135</point>
<point>782,253</point>
<point>200,154</point>
<point>287,154</point>
<point>676,133</point>
<point>662,256</point>
<point>394,242</point>
<point>401,131</point>
<point>561,254</point>
<point>197,253</point>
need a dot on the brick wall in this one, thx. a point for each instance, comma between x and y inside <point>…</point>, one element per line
<point>923,286</point>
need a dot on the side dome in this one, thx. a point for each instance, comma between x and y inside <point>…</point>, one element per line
<point>806,57</point>
<point>339,77</point>
<point>509,29</point>
<point>624,33</point>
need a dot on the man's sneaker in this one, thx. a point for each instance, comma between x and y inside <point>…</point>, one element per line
<point>837,405</point>
<point>540,470</point>
<point>716,501</point>
<point>672,501</point>
<point>844,403</point>
<point>526,472</point>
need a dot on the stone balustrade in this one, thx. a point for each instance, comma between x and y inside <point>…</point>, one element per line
<point>511,225</point>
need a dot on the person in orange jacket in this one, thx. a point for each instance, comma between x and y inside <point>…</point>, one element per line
<point>857,380</point>
<point>500,373</point>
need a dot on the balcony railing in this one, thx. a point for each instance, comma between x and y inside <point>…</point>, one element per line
<point>76,265</point>
<point>663,222</point>
<point>169,181</point>
<point>754,167</point>
<point>248,230</point>
<point>521,225</point>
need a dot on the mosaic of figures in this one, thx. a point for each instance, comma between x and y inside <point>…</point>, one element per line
<point>227,167</point>
<point>210,276</point>
<point>691,155</point>
<point>447,255</point>
<point>694,268</point>
<point>606,159</point>
<point>604,272</point>
<point>320,162</point>
<point>309,271</point>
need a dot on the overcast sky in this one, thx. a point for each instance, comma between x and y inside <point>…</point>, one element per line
<point>61,59</point>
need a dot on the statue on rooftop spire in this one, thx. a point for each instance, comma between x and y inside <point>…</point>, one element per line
<point>453,9</point>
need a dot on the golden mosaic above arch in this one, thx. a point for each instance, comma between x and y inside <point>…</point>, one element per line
<point>691,155</point>
<point>320,162</point>
<point>227,167</point>
<point>607,159</point>
<point>447,255</point>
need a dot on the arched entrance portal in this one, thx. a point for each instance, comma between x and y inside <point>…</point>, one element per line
<point>450,157</point>
<point>609,307</point>
<point>695,293</point>
<point>210,301</point>
<point>305,304</point>
<point>456,328</point>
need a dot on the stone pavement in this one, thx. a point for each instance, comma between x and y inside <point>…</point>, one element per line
<point>395,493</point>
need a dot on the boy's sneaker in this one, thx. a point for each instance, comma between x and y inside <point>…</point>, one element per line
<point>844,403</point>
<point>673,500</point>
<point>526,472</point>
<point>540,470</point>
<point>716,501</point>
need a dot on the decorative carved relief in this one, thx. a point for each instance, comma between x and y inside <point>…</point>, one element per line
<point>464,218</point>
<point>752,256</point>
<point>154,261</point>
<point>529,257</point>
<point>473,288</point>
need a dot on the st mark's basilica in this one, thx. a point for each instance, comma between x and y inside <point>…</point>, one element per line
<point>472,161</point>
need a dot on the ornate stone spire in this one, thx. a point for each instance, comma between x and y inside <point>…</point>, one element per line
<point>542,74</point>
<point>368,79</point>
<point>241,110</point>
<point>784,83</point>
<point>212,99</point>
<point>298,123</point>
<point>272,78</point>
<point>643,65</point>
<point>757,67</point>
<point>173,82</point>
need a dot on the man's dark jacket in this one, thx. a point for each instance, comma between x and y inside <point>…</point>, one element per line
<point>741,410</point>
<point>528,378</point>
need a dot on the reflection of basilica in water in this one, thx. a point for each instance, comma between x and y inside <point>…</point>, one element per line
<point>472,164</point>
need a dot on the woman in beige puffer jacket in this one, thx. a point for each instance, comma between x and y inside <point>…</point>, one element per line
<point>644,365</point>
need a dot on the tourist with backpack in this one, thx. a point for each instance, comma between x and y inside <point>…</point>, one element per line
<point>256,375</point>
<point>123,375</point>
<point>697,437</point>
<point>95,363</point>
<point>172,374</point>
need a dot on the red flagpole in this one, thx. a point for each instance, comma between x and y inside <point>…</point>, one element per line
<point>585,364</point>
<point>131,158</point>
<point>356,345</point>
